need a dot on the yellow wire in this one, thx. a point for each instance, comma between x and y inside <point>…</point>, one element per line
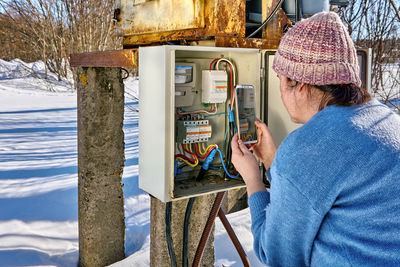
<point>188,163</point>
<point>205,151</point>
<point>201,153</point>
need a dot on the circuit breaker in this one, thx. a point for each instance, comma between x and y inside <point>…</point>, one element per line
<point>192,101</point>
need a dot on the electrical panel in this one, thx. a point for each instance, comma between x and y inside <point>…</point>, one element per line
<point>192,101</point>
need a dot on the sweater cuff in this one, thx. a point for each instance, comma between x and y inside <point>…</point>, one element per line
<point>257,203</point>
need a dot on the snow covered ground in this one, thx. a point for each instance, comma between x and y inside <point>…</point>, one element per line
<point>38,176</point>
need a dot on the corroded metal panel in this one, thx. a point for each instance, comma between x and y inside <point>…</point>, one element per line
<point>127,58</point>
<point>150,16</point>
<point>222,41</point>
<point>165,21</point>
<point>144,39</point>
<point>274,28</point>
<point>226,17</point>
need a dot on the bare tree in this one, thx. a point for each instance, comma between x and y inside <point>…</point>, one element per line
<point>375,24</point>
<point>53,29</point>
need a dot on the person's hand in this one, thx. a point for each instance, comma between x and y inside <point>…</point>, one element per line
<point>247,165</point>
<point>265,147</point>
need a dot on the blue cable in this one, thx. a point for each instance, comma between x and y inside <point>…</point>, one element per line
<point>214,168</point>
<point>223,165</point>
<point>231,115</point>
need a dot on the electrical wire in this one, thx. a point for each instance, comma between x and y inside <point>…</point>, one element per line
<point>191,162</point>
<point>232,72</point>
<point>231,64</point>
<point>213,110</point>
<point>212,62</point>
<point>207,229</point>
<point>223,165</point>
<point>222,113</point>
<point>226,133</point>
<point>187,162</point>
<point>207,152</point>
<point>168,236</point>
<point>185,260</point>
<point>235,240</point>
<point>267,19</point>
<point>185,159</point>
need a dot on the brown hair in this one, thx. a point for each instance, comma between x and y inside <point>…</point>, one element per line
<point>346,95</point>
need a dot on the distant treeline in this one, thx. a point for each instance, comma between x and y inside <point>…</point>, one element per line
<point>50,30</point>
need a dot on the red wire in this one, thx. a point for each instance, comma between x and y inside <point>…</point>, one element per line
<point>191,153</point>
<point>212,62</point>
<point>206,155</point>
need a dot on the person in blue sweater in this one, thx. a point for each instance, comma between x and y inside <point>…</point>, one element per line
<point>335,182</point>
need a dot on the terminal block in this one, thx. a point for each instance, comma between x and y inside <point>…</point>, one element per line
<point>193,131</point>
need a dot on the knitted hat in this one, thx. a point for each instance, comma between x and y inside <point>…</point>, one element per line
<point>318,51</point>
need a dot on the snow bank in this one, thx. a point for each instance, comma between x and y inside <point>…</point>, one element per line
<point>17,76</point>
<point>38,176</point>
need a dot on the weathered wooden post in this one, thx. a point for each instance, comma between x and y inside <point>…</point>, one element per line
<point>100,166</point>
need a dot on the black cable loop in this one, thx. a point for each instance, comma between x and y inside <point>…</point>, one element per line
<point>185,260</point>
<point>127,73</point>
<point>168,236</point>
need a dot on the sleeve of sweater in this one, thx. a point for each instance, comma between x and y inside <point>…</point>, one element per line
<point>284,224</point>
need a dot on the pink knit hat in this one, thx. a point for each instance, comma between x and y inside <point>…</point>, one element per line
<point>318,51</point>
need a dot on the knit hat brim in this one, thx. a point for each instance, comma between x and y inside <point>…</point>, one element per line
<point>317,74</point>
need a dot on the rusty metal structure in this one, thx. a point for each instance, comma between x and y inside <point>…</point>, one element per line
<point>186,22</point>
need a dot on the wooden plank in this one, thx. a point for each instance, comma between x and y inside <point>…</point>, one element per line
<point>126,58</point>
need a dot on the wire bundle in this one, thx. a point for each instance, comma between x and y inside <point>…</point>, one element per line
<point>192,162</point>
<point>207,152</point>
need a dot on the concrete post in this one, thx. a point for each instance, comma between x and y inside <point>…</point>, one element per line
<point>100,166</point>
<point>158,246</point>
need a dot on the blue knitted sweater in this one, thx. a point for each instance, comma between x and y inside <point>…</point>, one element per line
<point>335,192</point>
